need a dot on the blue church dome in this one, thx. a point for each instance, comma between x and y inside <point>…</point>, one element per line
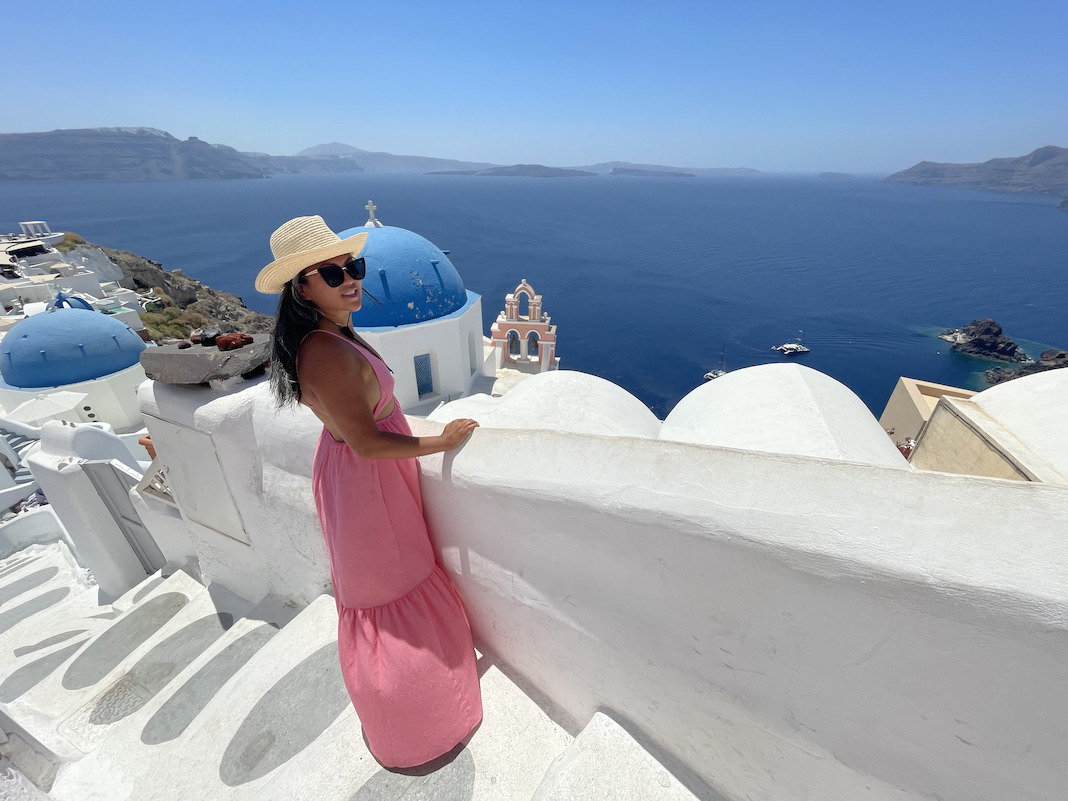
<point>66,346</point>
<point>410,275</point>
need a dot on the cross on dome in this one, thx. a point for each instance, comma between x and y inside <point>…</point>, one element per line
<point>371,221</point>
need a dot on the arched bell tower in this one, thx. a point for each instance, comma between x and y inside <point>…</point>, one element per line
<point>533,330</point>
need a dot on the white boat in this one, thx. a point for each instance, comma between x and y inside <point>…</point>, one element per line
<point>793,348</point>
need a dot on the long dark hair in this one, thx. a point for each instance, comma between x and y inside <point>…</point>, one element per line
<point>295,319</point>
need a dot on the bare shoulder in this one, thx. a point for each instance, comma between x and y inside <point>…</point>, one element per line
<point>329,357</point>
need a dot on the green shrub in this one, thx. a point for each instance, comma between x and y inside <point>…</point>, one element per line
<point>70,241</point>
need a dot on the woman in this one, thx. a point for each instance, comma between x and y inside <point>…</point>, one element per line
<point>403,637</point>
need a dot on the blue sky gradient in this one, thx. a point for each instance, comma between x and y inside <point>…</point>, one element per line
<point>781,87</point>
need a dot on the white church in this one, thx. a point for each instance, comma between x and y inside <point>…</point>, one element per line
<point>757,597</point>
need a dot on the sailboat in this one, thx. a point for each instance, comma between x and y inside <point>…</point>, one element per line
<point>721,370</point>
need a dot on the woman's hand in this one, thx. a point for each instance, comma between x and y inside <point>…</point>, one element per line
<point>456,431</point>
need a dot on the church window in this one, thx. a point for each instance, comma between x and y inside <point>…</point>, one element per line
<point>424,376</point>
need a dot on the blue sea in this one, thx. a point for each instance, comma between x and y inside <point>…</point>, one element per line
<point>651,280</point>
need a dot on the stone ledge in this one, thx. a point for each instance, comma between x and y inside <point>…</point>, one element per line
<point>198,365</point>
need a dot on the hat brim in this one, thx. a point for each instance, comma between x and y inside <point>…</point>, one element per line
<point>273,278</point>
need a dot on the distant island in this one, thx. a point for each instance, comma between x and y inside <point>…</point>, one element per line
<point>141,154</point>
<point>373,161</point>
<point>650,173</point>
<point>837,175</point>
<point>607,167</point>
<point>1045,172</point>
<point>149,154</point>
<point>519,170</point>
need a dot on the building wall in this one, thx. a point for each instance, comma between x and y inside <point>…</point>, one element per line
<point>447,340</point>
<point>911,405</point>
<point>774,626</point>
<point>952,445</point>
<point>112,399</point>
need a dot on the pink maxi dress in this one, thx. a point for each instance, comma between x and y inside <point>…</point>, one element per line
<point>403,636</point>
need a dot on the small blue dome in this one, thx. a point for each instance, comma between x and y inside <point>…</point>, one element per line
<point>65,347</point>
<point>412,277</point>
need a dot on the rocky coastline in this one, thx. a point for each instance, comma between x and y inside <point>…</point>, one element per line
<point>184,304</point>
<point>1047,360</point>
<point>1043,171</point>
<point>984,338</point>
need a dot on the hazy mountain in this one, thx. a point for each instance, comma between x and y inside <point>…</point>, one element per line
<point>300,164</point>
<point>606,167</point>
<point>388,162</point>
<point>1045,171</point>
<point>116,154</point>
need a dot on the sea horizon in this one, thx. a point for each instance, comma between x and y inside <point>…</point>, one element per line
<point>650,279</point>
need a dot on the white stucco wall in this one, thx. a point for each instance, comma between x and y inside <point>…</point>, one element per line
<point>447,340</point>
<point>260,458</point>
<point>98,541</point>
<point>780,626</point>
<point>36,526</point>
<point>788,627</point>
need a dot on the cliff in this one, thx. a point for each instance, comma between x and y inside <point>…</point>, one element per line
<point>1045,171</point>
<point>116,154</point>
<point>186,303</point>
<point>272,165</point>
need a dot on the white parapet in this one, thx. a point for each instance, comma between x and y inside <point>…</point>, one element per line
<point>778,625</point>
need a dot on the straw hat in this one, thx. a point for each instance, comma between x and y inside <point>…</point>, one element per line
<point>299,244</point>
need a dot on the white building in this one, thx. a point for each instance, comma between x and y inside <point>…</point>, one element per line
<point>426,324</point>
<point>76,352</point>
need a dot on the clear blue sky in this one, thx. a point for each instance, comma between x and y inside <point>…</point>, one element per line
<point>795,87</point>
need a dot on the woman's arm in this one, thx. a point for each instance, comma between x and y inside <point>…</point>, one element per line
<point>340,382</point>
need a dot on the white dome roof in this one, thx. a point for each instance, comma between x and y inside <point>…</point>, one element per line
<point>561,400</point>
<point>1033,409</point>
<point>782,408</point>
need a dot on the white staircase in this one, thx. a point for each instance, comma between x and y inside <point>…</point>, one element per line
<point>180,691</point>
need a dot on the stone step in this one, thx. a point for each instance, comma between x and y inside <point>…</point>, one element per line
<point>139,741</point>
<point>284,709</point>
<point>283,728</point>
<point>603,762</point>
<point>42,591</point>
<point>504,760</point>
<point>71,709</point>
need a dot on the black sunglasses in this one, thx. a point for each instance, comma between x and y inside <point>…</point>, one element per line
<point>334,275</point>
